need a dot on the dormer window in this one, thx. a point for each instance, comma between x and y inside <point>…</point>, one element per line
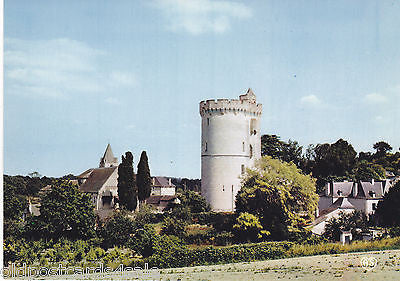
<point>372,193</point>
<point>339,192</point>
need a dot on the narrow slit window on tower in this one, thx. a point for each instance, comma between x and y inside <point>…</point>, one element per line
<point>251,151</point>
<point>223,188</point>
<point>243,146</point>
<point>242,167</point>
<point>206,148</point>
<point>208,121</point>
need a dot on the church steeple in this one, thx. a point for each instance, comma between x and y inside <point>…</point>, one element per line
<point>108,160</point>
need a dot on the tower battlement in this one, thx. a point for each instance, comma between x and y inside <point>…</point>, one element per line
<point>245,103</point>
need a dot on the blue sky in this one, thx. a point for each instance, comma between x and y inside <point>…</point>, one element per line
<point>80,74</point>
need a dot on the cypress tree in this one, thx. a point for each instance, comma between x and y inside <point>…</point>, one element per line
<point>143,178</point>
<point>127,190</point>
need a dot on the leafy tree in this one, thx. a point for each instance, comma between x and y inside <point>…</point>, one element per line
<point>127,190</point>
<point>353,222</point>
<point>117,230</point>
<point>248,228</point>
<point>366,171</point>
<point>382,148</point>
<point>173,226</point>
<point>291,151</point>
<point>143,178</point>
<point>388,209</point>
<point>333,162</point>
<point>14,204</point>
<point>65,212</point>
<point>194,201</point>
<point>279,195</point>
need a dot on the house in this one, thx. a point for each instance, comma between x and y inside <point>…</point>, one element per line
<point>162,186</point>
<point>162,194</point>
<point>347,197</point>
<point>101,183</point>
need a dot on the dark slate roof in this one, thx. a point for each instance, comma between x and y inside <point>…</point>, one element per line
<point>155,199</point>
<point>96,179</point>
<point>369,188</point>
<point>340,203</point>
<point>344,187</point>
<point>162,181</point>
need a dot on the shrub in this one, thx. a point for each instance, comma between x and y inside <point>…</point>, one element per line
<point>173,226</point>
<point>248,228</point>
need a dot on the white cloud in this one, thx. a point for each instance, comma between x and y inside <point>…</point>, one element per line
<point>58,68</point>
<point>201,16</point>
<point>375,98</point>
<point>310,100</point>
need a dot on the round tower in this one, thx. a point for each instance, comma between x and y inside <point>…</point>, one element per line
<point>230,140</point>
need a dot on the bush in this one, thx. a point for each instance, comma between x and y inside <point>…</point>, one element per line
<point>173,226</point>
<point>117,230</point>
<point>249,229</point>
<point>223,238</point>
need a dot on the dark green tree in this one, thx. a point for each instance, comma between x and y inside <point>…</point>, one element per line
<point>388,209</point>
<point>143,178</point>
<point>365,171</point>
<point>14,204</point>
<point>127,189</point>
<point>382,148</point>
<point>64,212</point>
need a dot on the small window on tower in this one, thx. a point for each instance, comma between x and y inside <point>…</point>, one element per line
<point>208,121</point>
<point>243,146</point>
<point>251,151</point>
<point>242,169</point>
<point>206,148</point>
<point>223,188</point>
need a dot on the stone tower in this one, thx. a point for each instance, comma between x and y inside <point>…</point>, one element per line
<point>230,142</point>
<point>108,159</point>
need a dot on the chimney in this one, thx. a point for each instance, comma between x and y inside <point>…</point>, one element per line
<point>169,182</point>
<point>327,189</point>
<point>355,189</point>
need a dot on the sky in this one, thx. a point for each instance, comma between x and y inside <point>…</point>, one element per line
<point>81,74</point>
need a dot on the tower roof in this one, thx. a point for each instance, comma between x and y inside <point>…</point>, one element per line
<point>108,159</point>
<point>249,96</point>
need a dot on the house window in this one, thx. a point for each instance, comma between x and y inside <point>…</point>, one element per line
<point>242,167</point>
<point>374,206</point>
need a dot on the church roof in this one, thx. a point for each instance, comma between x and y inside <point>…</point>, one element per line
<point>97,179</point>
<point>108,156</point>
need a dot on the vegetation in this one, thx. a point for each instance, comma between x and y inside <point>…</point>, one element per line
<point>388,210</point>
<point>248,228</point>
<point>127,189</point>
<point>356,222</point>
<point>280,196</point>
<point>143,178</point>
<point>64,212</point>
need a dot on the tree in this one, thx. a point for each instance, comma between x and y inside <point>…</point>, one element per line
<point>248,228</point>
<point>14,204</point>
<point>117,230</point>
<point>279,195</point>
<point>127,189</point>
<point>291,151</point>
<point>382,148</point>
<point>365,171</point>
<point>64,212</point>
<point>388,209</point>
<point>194,201</point>
<point>356,222</point>
<point>143,178</point>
